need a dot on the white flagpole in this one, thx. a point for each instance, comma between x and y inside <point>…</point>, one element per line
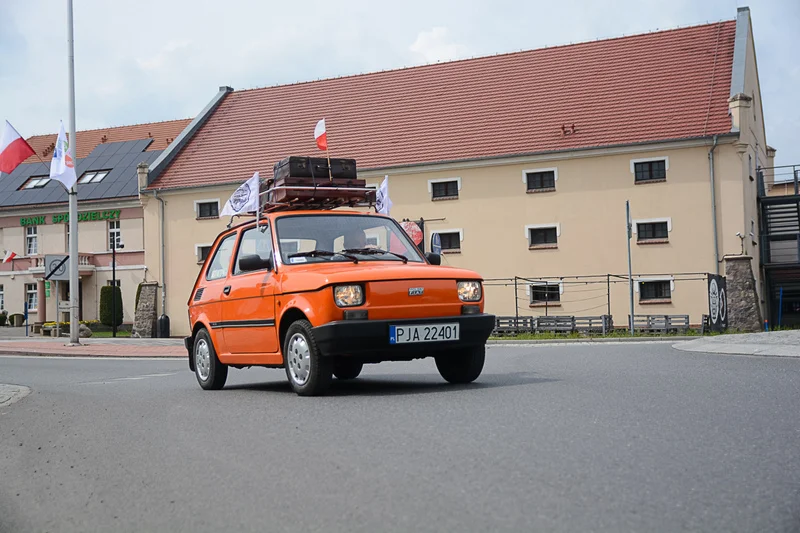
<point>74,288</point>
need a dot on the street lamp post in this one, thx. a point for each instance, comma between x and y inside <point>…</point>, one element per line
<point>117,244</point>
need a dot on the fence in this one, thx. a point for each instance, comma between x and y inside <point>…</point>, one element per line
<point>593,303</point>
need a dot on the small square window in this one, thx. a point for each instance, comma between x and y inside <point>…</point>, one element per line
<point>113,282</point>
<point>541,181</point>
<point>646,171</point>
<point>35,182</point>
<point>649,231</point>
<point>451,241</point>
<point>444,189</point>
<point>208,209</point>
<point>543,237</point>
<point>202,253</point>
<point>545,293</point>
<point>654,291</point>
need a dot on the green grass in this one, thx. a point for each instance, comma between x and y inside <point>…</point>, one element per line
<point>107,334</point>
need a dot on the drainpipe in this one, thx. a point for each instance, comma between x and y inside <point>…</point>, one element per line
<point>714,203</point>
<point>163,320</point>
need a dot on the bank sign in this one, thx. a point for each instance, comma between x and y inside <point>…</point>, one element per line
<point>63,218</point>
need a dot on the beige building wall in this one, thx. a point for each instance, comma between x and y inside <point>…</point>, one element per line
<point>493,210</point>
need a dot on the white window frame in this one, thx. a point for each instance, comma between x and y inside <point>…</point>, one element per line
<point>35,293</point>
<point>197,251</point>
<point>648,160</point>
<point>31,237</point>
<point>208,201</point>
<point>529,227</point>
<point>113,282</point>
<point>639,280</point>
<point>443,180</point>
<point>638,221</point>
<point>527,171</point>
<point>543,283</point>
<point>111,234</point>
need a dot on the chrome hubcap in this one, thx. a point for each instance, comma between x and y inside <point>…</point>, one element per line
<point>299,358</point>
<point>202,359</point>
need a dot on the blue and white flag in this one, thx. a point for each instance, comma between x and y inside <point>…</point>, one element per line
<point>62,168</point>
<point>245,199</point>
<point>382,202</point>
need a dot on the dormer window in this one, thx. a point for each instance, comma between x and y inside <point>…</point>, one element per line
<point>35,182</point>
<point>93,176</point>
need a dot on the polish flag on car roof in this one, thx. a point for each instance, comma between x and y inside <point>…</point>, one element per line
<point>13,149</point>
<point>9,255</point>
<point>320,135</point>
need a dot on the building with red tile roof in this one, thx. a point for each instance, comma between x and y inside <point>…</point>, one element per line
<point>521,162</point>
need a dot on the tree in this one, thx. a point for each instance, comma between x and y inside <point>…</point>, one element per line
<point>106,297</point>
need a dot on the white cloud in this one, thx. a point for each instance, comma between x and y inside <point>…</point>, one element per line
<point>435,45</point>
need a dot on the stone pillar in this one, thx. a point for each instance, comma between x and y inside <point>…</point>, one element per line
<point>41,314</point>
<point>744,309</point>
<point>144,322</point>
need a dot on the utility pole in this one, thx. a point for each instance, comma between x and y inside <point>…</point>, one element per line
<point>74,289</point>
<point>629,225</point>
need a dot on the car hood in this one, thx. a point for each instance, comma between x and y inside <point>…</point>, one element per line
<point>313,276</point>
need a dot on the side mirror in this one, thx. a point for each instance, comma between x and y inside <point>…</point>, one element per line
<point>434,259</point>
<point>250,263</point>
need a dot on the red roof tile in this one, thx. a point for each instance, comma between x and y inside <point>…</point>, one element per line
<point>657,86</point>
<point>162,134</point>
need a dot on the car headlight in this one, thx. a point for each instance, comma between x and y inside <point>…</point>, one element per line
<point>348,295</point>
<point>469,291</point>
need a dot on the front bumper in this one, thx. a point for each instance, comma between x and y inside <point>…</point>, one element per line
<point>370,338</point>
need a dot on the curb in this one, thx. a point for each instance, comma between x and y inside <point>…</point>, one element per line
<point>588,340</point>
<point>754,350</point>
<point>32,353</point>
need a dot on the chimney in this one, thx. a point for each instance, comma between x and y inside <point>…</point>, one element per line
<point>142,171</point>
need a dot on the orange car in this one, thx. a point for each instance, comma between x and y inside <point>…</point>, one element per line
<point>322,293</point>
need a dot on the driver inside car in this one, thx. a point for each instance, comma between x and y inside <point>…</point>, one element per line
<point>355,240</point>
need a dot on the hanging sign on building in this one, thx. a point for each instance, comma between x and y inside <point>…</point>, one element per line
<point>717,303</point>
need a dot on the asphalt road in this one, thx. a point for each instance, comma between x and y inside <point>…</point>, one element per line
<point>571,438</point>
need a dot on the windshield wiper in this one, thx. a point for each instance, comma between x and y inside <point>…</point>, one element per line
<point>374,251</point>
<point>323,253</point>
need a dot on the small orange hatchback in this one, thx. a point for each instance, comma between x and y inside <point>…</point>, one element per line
<point>322,293</point>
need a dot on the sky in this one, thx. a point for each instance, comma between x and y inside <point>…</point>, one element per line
<point>153,60</point>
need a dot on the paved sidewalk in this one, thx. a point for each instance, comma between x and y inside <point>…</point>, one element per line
<point>12,393</point>
<point>775,343</point>
<point>119,347</point>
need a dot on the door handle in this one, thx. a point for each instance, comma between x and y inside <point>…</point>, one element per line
<point>227,290</point>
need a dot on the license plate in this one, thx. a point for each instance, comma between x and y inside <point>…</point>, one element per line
<point>423,333</point>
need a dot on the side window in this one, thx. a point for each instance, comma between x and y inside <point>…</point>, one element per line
<point>254,242</point>
<point>222,258</point>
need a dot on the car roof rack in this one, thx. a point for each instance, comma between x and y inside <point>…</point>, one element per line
<point>322,195</point>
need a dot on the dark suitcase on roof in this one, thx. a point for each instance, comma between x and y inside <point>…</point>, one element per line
<point>314,167</point>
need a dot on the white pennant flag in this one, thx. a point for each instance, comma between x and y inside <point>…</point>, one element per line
<point>382,201</point>
<point>244,199</point>
<point>62,168</point>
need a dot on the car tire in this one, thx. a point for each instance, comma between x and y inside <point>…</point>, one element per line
<point>309,373</point>
<point>211,374</point>
<point>346,368</point>
<point>462,366</point>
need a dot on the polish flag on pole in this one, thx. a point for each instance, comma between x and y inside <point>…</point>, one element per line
<point>13,149</point>
<point>9,255</point>
<point>320,135</point>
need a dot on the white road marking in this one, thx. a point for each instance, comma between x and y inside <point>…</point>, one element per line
<point>128,378</point>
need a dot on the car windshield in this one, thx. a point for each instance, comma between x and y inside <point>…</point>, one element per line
<point>325,238</point>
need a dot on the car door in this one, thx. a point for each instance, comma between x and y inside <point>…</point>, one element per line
<point>209,293</point>
<point>248,308</point>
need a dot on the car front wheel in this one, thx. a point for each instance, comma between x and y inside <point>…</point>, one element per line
<point>211,374</point>
<point>309,373</point>
<point>462,366</point>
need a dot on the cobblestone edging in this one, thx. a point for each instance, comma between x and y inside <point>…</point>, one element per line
<point>588,340</point>
<point>12,393</point>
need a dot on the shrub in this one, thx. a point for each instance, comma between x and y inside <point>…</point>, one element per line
<point>2,319</point>
<point>106,297</point>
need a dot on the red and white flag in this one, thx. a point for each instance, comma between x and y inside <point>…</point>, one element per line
<point>320,135</point>
<point>13,149</point>
<point>9,255</point>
